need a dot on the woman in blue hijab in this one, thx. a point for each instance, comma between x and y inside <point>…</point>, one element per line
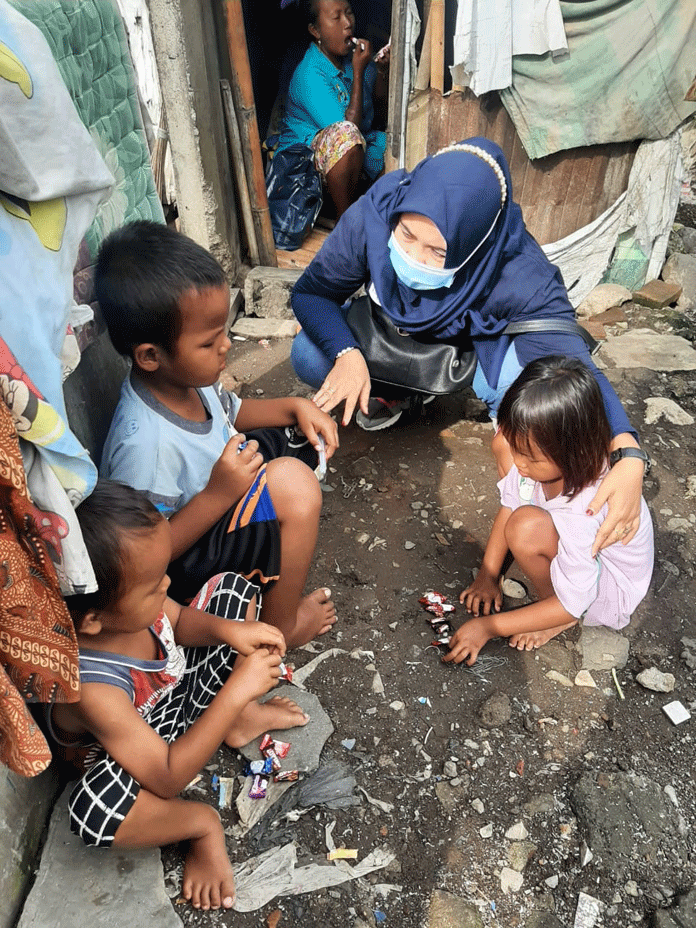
<point>444,250</point>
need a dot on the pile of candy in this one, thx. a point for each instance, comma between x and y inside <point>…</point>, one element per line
<point>438,607</point>
<point>262,770</point>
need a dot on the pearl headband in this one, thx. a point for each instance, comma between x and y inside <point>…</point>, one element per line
<point>484,156</point>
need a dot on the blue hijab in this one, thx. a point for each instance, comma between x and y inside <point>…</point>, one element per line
<point>467,194</point>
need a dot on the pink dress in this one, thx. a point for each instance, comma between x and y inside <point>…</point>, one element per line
<point>603,590</point>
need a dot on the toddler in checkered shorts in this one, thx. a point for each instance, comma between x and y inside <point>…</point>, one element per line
<point>163,686</point>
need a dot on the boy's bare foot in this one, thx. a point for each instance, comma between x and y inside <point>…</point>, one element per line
<point>208,881</point>
<point>530,641</point>
<point>257,718</point>
<point>316,614</point>
<point>468,640</point>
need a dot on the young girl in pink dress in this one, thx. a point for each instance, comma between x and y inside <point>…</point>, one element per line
<point>554,421</point>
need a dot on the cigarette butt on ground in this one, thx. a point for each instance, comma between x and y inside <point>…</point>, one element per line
<point>343,853</point>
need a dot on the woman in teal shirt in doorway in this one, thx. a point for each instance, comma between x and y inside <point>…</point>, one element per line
<point>330,105</point>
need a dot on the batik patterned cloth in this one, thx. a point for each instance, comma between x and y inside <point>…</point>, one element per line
<point>38,647</point>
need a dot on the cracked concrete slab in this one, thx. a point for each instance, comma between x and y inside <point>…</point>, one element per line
<point>80,885</point>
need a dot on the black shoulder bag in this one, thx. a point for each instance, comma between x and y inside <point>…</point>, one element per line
<point>397,358</point>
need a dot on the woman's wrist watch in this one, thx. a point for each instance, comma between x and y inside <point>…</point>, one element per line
<point>620,453</point>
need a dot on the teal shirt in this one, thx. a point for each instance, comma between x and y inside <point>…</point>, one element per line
<point>319,95</point>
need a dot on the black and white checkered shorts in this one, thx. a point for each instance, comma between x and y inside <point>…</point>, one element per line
<point>104,796</point>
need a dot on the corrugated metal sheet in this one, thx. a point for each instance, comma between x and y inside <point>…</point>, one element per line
<point>558,194</point>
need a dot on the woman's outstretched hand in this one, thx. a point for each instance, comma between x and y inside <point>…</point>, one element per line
<point>349,380</point>
<point>621,489</point>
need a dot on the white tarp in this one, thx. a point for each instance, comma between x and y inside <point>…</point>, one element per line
<point>632,234</point>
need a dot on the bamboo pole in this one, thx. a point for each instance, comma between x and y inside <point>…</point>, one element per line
<point>237,157</point>
<point>422,81</point>
<point>437,48</point>
<point>243,97</point>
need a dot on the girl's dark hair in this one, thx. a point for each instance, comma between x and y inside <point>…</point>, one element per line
<point>105,516</point>
<point>142,271</point>
<point>556,402</point>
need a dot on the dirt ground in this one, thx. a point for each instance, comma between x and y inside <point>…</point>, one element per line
<point>409,510</point>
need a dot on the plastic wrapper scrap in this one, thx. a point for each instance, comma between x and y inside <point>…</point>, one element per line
<point>275,873</point>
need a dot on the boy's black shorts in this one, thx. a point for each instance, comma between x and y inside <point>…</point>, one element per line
<point>246,540</point>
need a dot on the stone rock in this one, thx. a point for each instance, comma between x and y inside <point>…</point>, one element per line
<point>603,297</point>
<point>630,824</point>
<point>657,293</point>
<point>495,711</point>
<point>517,832</point>
<point>584,678</point>
<point>559,678</point>
<point>602,648</point>
<point>556,656</point>
<point>653,679</point>
<point>513,588</point>
<point>510,880</point>
<point>450,796</point>
<point>688,655</point>
<point>267,291</point>
<point>647,348</point>
<point>658,406</point>
<point>540,805</point>
<point>681,915</point>
<point>450,911</point>
<point>519,854</point>
<point>681,270</point>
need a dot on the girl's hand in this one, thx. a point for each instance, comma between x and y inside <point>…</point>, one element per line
<point>485,593</point>
<point>315,422</point>
<point>621,489</point>
<point>257,674</point>
<point>349,380</point>
<point>247,637</point>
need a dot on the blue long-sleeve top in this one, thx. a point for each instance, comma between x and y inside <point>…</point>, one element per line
<point>512,281</point>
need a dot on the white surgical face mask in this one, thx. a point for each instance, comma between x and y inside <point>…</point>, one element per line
<point>415,275</point>
<point>419,276</point>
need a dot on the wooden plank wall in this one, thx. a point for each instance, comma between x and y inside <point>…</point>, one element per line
<point>558,194</point>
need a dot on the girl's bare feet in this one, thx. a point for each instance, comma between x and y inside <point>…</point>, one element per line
<point>274,714</point>
<point>530,641</point>
<point>208,881</point>
<point>316,614</point>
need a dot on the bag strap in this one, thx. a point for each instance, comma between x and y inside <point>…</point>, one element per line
<point>568,326</point>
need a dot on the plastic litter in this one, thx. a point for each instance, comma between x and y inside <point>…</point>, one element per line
<point>332,785</point>
<point>343,853</point>
<point>275,873</point>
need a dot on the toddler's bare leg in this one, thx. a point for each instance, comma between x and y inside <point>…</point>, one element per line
<point>533,541</point>
<point>296,496</point>
<point>208,881</point>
